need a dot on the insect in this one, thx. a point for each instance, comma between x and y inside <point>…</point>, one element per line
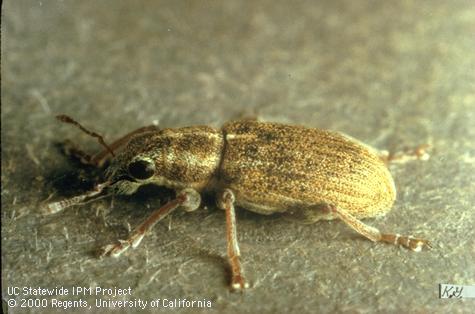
<point>305,173</point>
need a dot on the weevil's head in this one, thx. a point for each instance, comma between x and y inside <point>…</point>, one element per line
<point>174,158</point>
<point>136,164</point>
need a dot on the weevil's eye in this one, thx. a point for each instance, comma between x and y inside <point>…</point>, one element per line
<point>141,169</point>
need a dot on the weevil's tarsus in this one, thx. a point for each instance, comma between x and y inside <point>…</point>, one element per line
<point>418,153</point>
<point>226,202</point>
<point>67,119</point>
<point>409,242</point>
<point>55,207</point>
<point>187,198</point>
<point>414,244</point>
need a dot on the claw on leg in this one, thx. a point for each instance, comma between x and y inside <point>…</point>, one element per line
<point>238,283</point>
<point>115,250</point>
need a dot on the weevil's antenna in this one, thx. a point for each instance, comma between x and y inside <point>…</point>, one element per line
<point>67,119</point>
<point>55,207</point>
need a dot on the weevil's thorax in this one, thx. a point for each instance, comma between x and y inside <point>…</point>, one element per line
<point>174,158</point>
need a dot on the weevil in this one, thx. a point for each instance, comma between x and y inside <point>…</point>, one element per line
<point>304,173</point>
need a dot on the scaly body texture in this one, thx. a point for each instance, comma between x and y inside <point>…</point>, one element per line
<point>301,168</point>
<point>309,174</point>
<point>298,168</point>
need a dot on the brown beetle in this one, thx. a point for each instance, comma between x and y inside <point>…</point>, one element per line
<point>267,168</point>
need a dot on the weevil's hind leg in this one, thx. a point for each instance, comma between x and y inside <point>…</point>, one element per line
<point>189,199</point>
<point>418,153</point>
<point>226,202</point>
<point>375,235</point>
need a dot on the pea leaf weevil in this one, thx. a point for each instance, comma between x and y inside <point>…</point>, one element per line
<point>266,168</point>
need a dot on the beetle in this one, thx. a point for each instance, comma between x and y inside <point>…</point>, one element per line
<point>306,173</point>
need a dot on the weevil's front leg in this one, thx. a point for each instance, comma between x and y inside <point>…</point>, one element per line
<point>418,153</point>
<point>226,202</point>
<point>188,199</point>
<point>375,235</point>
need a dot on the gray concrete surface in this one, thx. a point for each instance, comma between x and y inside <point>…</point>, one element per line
<point>393,74</point>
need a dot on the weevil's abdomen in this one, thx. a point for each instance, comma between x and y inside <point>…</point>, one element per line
<point>281,168</point>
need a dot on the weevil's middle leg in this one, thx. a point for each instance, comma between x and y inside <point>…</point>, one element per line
<point>189,199</point>
<point>226,202</point>
<point>375,235</point>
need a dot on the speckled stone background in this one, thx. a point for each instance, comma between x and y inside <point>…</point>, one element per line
<point>391,73</point>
